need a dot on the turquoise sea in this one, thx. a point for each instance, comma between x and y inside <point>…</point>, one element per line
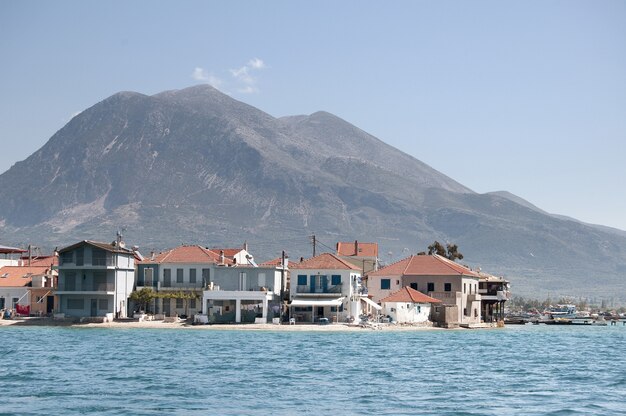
<point>525,370</point>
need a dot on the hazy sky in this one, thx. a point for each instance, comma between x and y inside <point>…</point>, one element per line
<point>527,96</point>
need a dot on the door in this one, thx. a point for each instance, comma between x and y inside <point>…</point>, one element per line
<point>49,304</point>
<point>320,311</point>
<point>94,307</point>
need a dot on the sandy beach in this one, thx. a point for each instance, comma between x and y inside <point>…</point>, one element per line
<point>184,325</point>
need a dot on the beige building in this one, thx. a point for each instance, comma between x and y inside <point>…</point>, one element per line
<point>454,285</point>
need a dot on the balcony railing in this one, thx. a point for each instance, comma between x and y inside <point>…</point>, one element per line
<point>308,289</point>
<point>179,285</point>
<point>448,298</point>
<point>96,287</point>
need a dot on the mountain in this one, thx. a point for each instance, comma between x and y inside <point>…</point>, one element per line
<point>196,166</point>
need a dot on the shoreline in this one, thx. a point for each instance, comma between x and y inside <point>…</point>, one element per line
<point>133,324</point>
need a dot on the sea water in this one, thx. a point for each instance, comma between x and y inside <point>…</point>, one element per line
<point>523,370</point>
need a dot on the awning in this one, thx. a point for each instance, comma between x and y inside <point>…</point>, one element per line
<point>316,302</point>
<point>372,303</point>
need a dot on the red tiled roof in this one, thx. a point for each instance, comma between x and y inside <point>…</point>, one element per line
<point>408,295</point>
<point>273,263</point>
<point>188,254</point>
<point>357,249</point>
<point>41,261</point>
<point>431,265</point>
<point>13,276</point>
<point>228,252</point>
<point>325,261</point>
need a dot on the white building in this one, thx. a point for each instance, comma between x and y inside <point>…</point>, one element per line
<point>408,306</point>
<point>325,286</point>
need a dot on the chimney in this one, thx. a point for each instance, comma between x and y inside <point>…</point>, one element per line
<point>356,248</point>
<point>221,256</point>
<point>245,245</point>
<point>152,255</point>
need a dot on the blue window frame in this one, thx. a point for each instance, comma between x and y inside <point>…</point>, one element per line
<point>335,279</point>
<point>385,283</point>
<point>302,280</point>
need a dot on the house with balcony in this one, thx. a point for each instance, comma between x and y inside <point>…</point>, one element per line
<point>456,286</point>
<point>325,287</point>
<point>494,292</point>
<point>186,270</point>
<point>244,294</point>
<point>95,279</point>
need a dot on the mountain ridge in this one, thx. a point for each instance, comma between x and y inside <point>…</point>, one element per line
<point>196,166</point>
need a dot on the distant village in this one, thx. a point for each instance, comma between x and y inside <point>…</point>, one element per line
<point>93,281</point>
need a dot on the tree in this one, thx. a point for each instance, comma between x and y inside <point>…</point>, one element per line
<point>450,251</point>
<point>143,297</point>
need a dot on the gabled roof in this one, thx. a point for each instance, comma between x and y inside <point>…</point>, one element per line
<point>430,265</point>
<point>325,261</point>
<point>277,262</point>
<point>357,249</point>
<point>18,276</point>
<point>188,254</point>
<point>408,295</point>
<point>228,252</point>
<point>10,250</point>
<point>110,247</point>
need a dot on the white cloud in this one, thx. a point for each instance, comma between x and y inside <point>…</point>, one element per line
<point>201,74</point>
<point>244,79</point>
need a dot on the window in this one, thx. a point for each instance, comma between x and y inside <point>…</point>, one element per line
<point>243,281</point>
<point>103,304</point>
<point>431,287</point>
<point>67,257</point>
<point>447,287</point>
<point>464,288</point>
<point>335,279</point>
<point>192,303</point>
<point>80,256</point>
<point>39,298</point>
<point>15,300</point>
<point>302,280</point>
<point>262,279</point>
<point>147,276</point>
<point>70,280</point>
<point>98,257</point>
<point>414,286</point>
<point>167,277</point>
<point>75,304</point>
<point>100,281</point>
<point>166,306</point>
<point>206,276</point>
<point>303,309</point>
<point>179,275</point>
<point>179,303</point>
<point>192,275</point>
<point>385,284</point>
<point>419,309</point>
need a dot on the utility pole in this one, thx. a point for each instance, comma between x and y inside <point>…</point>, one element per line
<point>314,243</point>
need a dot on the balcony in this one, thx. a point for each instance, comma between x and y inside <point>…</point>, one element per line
<point>89,287</point>
<point>179,286</point>
<point>306,289</point>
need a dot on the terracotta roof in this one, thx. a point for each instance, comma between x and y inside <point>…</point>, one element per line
<point>326,261</point>
<point>431,265</point>
<point>273,263</point>
<point>41,261</point>
<point>13,276</point>
<point>357,249</point>
<point>228,252</point>
<point>408,295</point>
<point>188,254</point>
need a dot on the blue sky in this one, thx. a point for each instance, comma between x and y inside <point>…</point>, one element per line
<point>527,96</point>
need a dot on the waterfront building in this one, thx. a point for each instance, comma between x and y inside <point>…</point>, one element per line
<point>95,279</point>
<point>456,286</point>
<point>243,294</point>
<point>408,306</point>
<point>362,255</point>
<point>27,289</point>
<point>325,288</point>
<point>186,270</point>
<point>494,292</point>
